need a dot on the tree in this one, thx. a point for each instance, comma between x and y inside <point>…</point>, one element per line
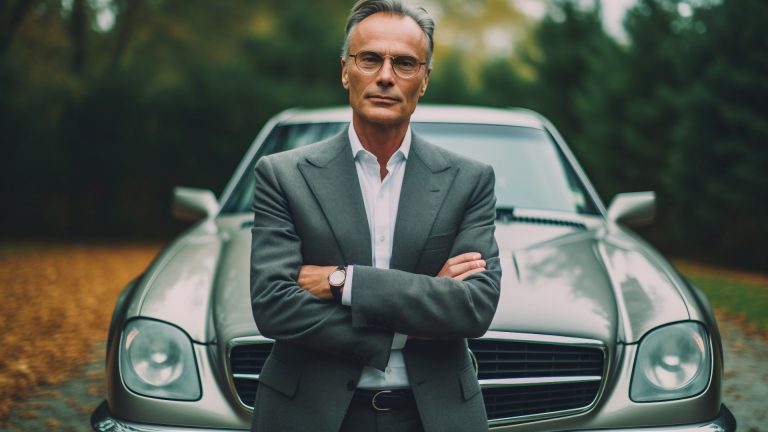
<point>573,62</point>
<point>717,166</point>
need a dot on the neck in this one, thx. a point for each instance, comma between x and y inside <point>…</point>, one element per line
<point>379,139</point>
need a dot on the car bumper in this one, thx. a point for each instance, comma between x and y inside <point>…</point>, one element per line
<point>103,421</point>
<point>725,422</point>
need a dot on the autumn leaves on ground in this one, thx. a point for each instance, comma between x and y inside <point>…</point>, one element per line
<point>55,308</point>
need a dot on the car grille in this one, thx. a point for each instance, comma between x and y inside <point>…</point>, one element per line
<point>522,376</point>
<point>525,378</point>
<point>246,362</point>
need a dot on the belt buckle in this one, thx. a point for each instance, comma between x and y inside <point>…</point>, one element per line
<point>373,401</point>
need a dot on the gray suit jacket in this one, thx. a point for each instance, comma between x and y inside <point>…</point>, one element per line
<point>309,210</point>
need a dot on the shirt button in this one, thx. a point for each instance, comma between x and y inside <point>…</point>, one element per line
<point>351,385</point>
<point>381,238</point>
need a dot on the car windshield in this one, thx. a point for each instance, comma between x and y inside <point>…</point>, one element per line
<point>531,171</point>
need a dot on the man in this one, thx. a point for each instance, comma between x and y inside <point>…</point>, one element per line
<point>373,256</point>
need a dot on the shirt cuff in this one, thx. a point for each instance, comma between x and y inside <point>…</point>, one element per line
<point>346,295</point>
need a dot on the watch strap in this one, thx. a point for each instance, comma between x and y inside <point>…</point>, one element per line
<point>336,290</point>
<point>336,293</point>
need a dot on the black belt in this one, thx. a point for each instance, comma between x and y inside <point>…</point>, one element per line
<point>384,400</point>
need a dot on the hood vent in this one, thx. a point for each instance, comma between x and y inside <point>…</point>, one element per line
<point>508,216</point>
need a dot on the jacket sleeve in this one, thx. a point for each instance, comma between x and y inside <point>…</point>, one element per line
<point>440,308</point>
<point>283,310</point>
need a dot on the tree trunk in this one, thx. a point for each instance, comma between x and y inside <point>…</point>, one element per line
<point>126,24</point>
<point>78,30</point>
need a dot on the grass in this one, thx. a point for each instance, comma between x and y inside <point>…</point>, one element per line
<point>738,294</point>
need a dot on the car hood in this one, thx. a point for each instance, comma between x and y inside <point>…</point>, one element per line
<point>593,283</point>
<point>589,283</point>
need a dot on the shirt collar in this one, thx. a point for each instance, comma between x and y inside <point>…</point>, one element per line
<point>357,146</point>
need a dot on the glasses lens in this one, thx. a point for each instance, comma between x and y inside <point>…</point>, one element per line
<point>369,61</point>
<point>406,66</point>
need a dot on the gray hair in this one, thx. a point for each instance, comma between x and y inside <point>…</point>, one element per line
<point>365,8</point>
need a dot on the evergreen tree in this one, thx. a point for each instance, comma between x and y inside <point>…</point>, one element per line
<point>717,169</point>
<point>574,61</point>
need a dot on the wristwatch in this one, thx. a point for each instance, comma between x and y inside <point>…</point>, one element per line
<point>336,280</point>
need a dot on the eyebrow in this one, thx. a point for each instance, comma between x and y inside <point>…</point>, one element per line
<point>399,54</point>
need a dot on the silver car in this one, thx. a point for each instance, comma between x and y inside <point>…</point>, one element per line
<point>595,330</point>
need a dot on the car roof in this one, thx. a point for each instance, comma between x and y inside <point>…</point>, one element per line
<point>426,114</point>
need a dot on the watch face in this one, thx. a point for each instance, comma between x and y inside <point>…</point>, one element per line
<point>336,278</point>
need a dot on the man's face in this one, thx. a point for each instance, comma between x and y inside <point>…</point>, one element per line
<point>384,98</point>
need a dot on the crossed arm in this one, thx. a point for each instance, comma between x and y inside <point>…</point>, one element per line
<point>314,279</point>
<point>289,299</point>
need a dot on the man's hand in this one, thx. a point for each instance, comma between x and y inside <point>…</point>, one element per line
<point>461,266</point>
<point>315,280</point>
<point>458,268</point>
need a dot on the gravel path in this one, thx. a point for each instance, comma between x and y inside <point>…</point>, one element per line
<point>745,389</point>
<point>68,407</point>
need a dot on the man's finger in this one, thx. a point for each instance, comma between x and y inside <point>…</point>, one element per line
<point>458,259</point>
<point>466,274</point>
<point>453,271</point>
<point>458,269</point>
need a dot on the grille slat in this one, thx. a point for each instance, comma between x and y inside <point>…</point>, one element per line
<point>497,359</point>
<point>536,361</point>
<point>532,373</point>
<point>534,398</point>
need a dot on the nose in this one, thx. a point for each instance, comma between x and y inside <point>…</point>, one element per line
<point>386,75</point>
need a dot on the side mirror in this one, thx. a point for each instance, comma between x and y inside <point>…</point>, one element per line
<point>633,209</point>
<point>191,204</point>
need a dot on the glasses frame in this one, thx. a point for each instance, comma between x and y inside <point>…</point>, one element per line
<point>392,64</point>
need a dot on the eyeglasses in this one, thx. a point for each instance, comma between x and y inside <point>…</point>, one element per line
<point>405,66</point>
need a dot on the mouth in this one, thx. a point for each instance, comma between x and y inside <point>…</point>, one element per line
<point>382,99</point>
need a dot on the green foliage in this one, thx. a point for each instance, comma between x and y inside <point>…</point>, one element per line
<point>503,86</point>
<point>566,41</point>
<point>581,87</point>
<point>718,165</point>
<point>449,84</point>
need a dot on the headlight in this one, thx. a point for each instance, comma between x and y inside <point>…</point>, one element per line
<point>673,362</point>
<point>156,359</point>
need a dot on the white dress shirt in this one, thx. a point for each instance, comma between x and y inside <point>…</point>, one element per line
<point>381,199</point>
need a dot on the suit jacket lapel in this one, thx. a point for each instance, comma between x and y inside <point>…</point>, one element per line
<point>427,179</point>
<point>332,177</point>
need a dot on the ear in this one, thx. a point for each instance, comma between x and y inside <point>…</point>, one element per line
<point>425,83</point>
<point>344,73</point>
